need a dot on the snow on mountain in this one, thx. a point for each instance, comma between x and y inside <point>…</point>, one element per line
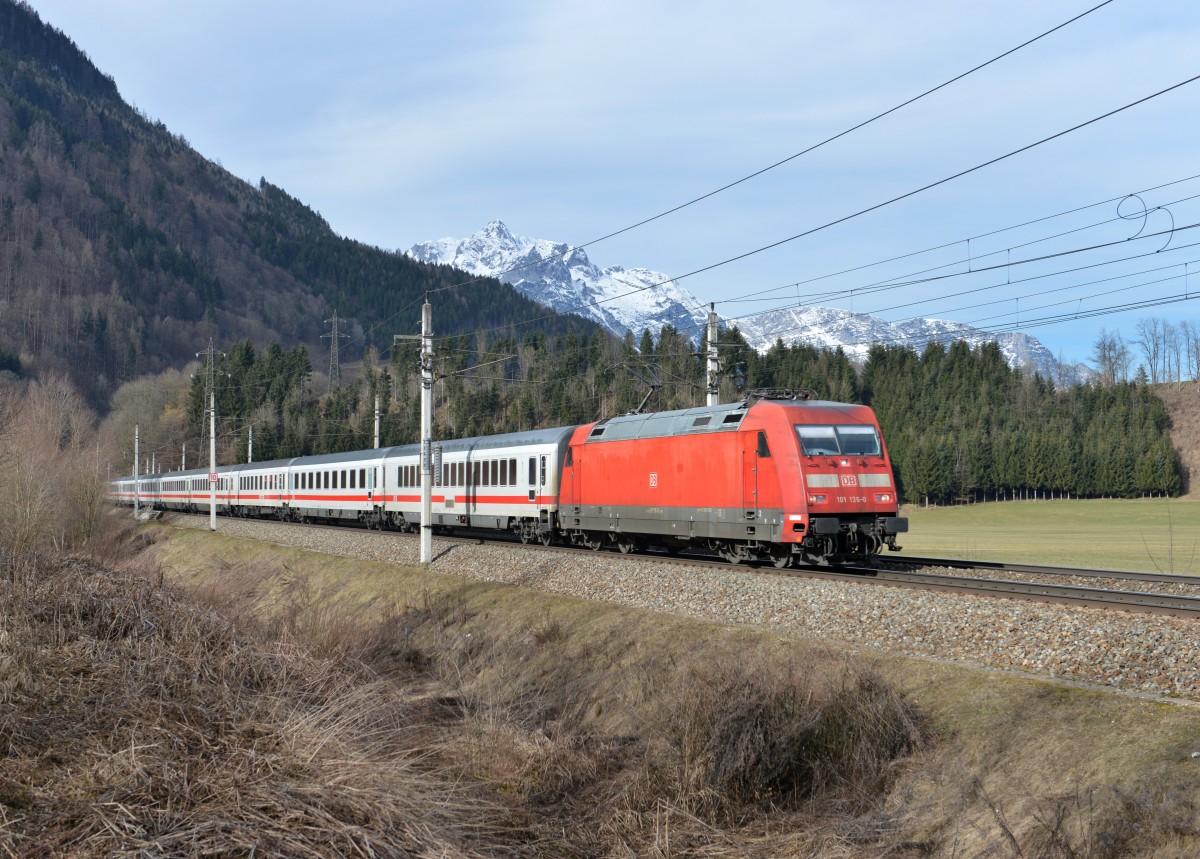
<point>857,332</point>
<point>562,277</point>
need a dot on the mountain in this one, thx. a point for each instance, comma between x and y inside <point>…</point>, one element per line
<point>123,250</point>
<point>857,332</point>
<point>562,277</point>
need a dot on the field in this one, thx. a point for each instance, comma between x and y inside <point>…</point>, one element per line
<point>1153,535</point>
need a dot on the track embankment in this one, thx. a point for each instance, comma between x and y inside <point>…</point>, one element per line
<point>1150,654</point>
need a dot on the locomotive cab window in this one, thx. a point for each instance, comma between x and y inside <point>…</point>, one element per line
<point>839,440</point>
<point>763,450</point>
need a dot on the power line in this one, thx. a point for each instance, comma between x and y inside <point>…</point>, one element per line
<point>888,285</point>
<point>850,130</point>
<point>750,297</point>
<point>931,185</point>
<point>865,211</point>
<point>770,167</point>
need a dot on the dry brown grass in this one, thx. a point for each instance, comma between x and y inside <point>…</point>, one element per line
<point>135,723</point>
<point>276,710</point>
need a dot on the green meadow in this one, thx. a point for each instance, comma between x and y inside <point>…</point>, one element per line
<point>1154,535</point>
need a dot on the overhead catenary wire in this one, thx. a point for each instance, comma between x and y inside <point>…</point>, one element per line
<point>773,166</point>
<point>869,209</point>
<point>824,296</point>
<point>890,285</point>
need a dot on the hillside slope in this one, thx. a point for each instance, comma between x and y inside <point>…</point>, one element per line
<point>1183,405</point>
<point>123,250</point>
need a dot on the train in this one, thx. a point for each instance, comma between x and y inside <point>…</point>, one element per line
<point>779,477</point>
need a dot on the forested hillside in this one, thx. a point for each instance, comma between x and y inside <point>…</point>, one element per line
<point>122,250</point>
<point>961,424</point>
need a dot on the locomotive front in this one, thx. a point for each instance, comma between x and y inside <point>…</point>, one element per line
<point>841,504</point>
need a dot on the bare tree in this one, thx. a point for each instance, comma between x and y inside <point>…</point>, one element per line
<point>1150,340</point>
<point>1172,352</point>
<point>1111,357</point>
<point>51,489</point>
<point>1189,333</point>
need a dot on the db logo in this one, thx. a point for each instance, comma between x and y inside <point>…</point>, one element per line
<point>653,479</point>
<point>849,480</point>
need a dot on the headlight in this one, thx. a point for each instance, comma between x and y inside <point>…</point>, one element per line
<point>816,499</point>
<point>883,497</point>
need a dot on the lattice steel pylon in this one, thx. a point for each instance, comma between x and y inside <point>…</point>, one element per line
<point>335,370</point>
<point>210,380</point>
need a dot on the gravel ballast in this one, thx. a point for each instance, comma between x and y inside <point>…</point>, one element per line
<point>1148,653</point>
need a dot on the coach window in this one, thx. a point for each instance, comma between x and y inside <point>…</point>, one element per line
<point>532,471</point>
<point>504,472</point>
<point>353,479</point>
<point>362,476</point>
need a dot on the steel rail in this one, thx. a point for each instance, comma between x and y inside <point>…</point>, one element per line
<point>1040,569</point>
<point>1104,598</point>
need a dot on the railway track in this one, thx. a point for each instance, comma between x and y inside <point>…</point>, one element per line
<point>1177,605</point>
<point>1041,570</point>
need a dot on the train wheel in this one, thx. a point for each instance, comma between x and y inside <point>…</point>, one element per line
<point>731,552</point>
<point>782,557</point>
<point>546,537</point>
<point>625,543</point>
<point>589,540</point>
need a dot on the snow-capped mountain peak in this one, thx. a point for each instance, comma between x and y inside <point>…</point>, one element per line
<point>562,277</point>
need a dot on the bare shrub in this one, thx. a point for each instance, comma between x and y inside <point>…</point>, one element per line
<point>51,488</point>
<point>741,737</point>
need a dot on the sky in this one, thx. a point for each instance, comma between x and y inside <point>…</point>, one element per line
<point>404,121</point>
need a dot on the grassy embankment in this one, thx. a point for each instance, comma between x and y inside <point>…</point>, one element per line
<point>1001,765</point>
<point>1154,535</point>
<point>333,707</point>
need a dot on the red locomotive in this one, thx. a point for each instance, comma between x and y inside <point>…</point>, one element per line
<point>781,480</point>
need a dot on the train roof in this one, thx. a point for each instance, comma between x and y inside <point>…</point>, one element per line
<point>554,435</point>
<point>725,417</point>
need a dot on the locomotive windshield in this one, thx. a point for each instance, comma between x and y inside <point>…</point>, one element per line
<point>839,440</point>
